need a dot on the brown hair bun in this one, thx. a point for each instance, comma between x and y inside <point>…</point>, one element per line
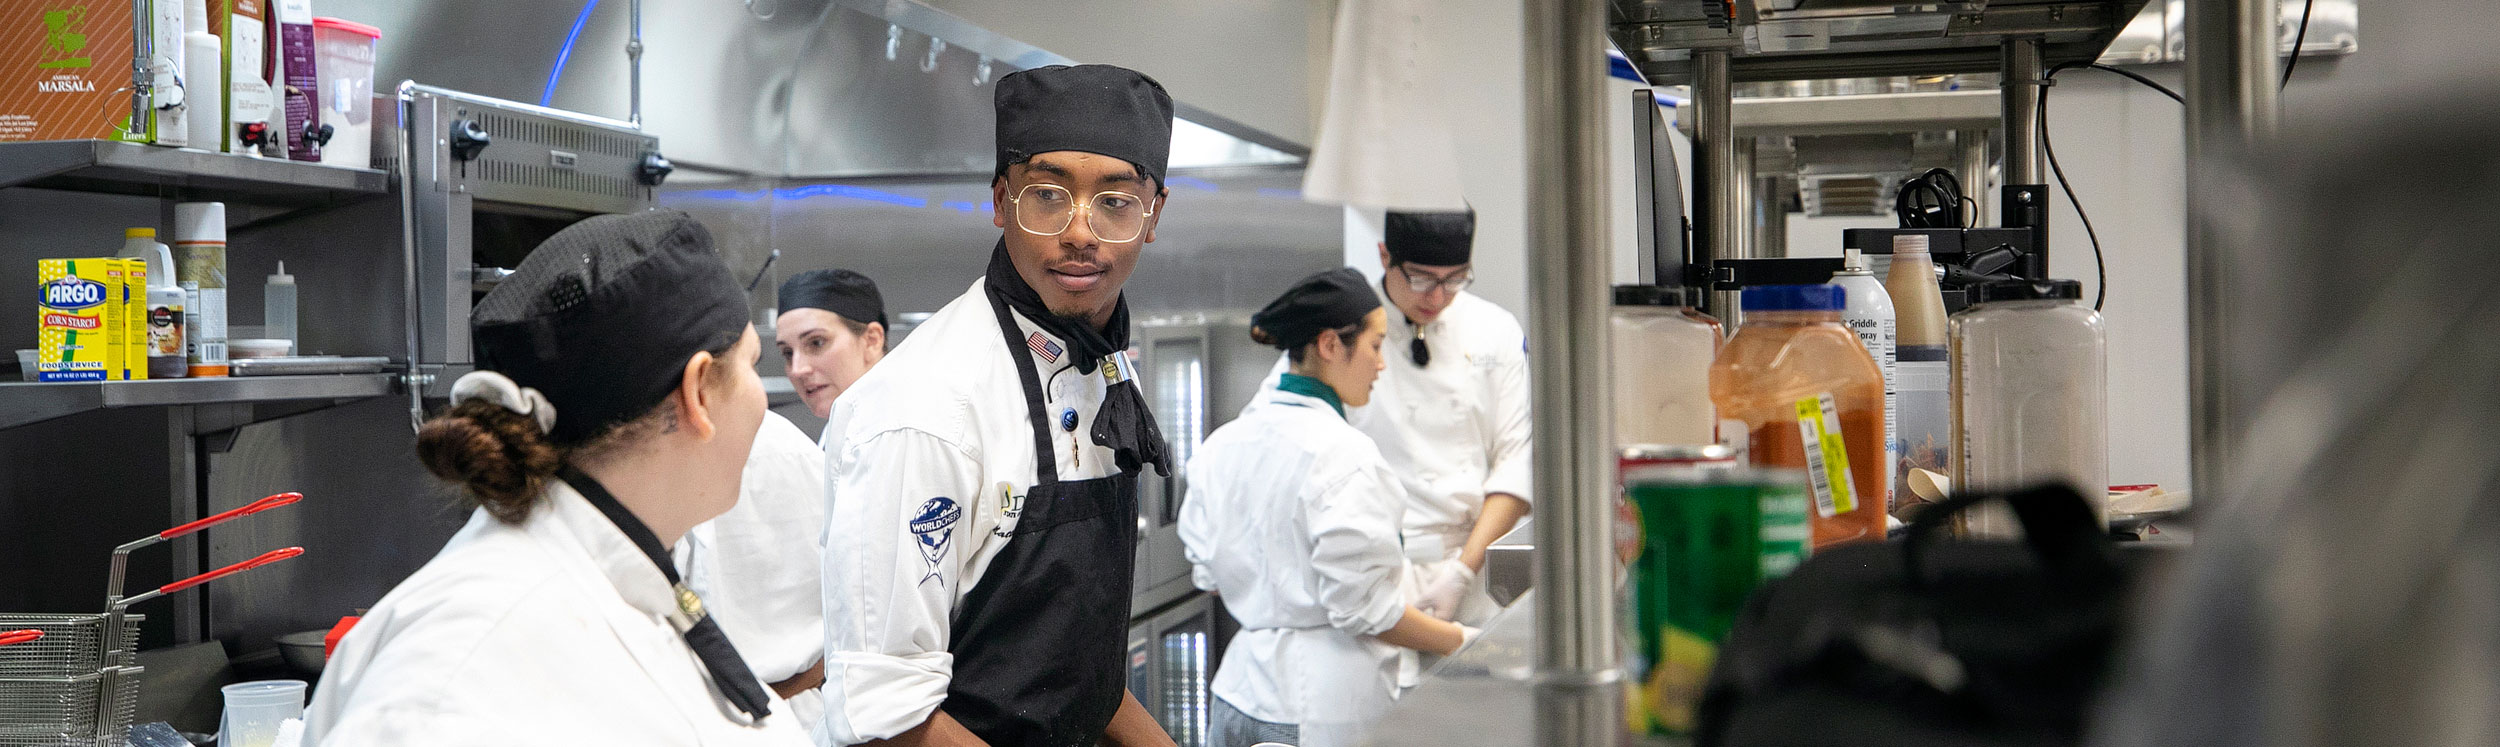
<point>496,455</point>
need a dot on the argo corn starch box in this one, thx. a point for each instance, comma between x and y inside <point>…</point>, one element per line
<point>73,307</point>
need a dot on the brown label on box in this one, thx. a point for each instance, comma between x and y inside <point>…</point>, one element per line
<point>64,69</point>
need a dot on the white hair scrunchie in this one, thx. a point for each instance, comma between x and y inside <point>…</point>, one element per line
<point>488,386</point>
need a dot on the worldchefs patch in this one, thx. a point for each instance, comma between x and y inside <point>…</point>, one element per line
<point>936,517</point>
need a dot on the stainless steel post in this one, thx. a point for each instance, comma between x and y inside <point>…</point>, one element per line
<point>1578,673</point>
<point>2021,93</point>
<point>1973,147</point>
<point>633,52</point>
<point>1741,196</point>
<point>2232,105</point>
<point>1770,214</point>
<point>1716,212</point>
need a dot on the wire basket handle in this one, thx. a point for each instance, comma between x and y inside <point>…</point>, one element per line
<point>20,636</point>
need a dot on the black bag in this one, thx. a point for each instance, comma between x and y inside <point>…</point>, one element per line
<point>1928,641</point>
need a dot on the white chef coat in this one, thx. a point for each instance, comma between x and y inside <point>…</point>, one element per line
<point>1457,430</point>
<point>1454,431</point>
<point>553,631</point>
<point>1293,517</point>
<point>928,458</point>
<point>759,567</point>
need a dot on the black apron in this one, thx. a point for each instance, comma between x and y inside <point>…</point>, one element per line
<point>1041,642</point>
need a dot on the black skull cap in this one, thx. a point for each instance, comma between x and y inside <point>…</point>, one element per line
<point>1100,109</point>
<point>602,316</point>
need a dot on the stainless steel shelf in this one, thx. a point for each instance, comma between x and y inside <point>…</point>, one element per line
<point>1865,114</point>
<point>1769,43</point>
<point>35,402</point>
<point>146,170</point>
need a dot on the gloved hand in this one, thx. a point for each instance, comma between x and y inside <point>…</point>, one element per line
<point>1444,584</point>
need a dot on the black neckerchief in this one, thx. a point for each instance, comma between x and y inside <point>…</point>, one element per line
<point>1415,348</point>
<point>1123,424</point>
<point>729,670</point>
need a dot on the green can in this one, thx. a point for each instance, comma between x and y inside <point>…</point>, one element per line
<point>1708,537</point>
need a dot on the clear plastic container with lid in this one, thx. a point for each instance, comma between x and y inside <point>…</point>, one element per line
<point>1662,355</point>
<point>2030,403</point>
<point>1811,398</point>
<point>1922,376</point>
<point>346,50</point>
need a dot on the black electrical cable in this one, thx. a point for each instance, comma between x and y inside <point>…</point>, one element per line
<point>2040,124</point>
<point>2306,7</point>
<point>2100,266</point>
<point>1931,200</point>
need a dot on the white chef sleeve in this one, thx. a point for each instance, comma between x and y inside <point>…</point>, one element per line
<point>898,539</point>
<point>1509,465</point>
<point>1197,533</point>
<point>1353,521</point>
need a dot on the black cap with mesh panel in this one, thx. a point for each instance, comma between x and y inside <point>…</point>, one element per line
<point>602,317</point>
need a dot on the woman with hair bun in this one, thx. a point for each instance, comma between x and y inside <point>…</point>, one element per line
<point>613,408</point>
<point>1293,518</point>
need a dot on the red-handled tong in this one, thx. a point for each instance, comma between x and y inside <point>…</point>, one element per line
<point>121,555</point>
<point>264,559</point>
<point>248,509</point>
<point>20,636</point>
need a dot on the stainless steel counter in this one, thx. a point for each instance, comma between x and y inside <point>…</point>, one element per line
<point>1485,694</point>
<point>1479,696</point>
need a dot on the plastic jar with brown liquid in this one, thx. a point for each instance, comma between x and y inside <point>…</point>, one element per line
<point>1811,398</point>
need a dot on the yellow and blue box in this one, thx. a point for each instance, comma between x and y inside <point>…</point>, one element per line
<point>84,312</point>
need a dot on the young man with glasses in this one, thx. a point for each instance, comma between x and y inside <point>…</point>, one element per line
<point>1451,412</point>
<point>983,478</point>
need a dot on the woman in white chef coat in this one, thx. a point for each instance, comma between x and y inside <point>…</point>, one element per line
<point>759,567</point>
<point>614,406</point>
<point>1293,518</point>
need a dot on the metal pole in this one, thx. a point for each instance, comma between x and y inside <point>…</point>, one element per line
<point>1741,196</point>
<point>2021,93</point>
<point>2232,105</point>
<point>1716,212</point>
<point>1770,215</point>
<point>1973,147</point>
<point>1579,699</point>
<point>633,52</point>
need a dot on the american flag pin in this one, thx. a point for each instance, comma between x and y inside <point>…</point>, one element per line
<point>1045,347</point>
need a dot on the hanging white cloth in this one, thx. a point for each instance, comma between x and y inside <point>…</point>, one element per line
<point>1385,135</point>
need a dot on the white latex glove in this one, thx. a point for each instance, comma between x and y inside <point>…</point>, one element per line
<point>1444,584</point>
<point>1467,636</point>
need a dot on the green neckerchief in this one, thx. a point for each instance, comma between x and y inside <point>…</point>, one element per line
<point>1310,387</point>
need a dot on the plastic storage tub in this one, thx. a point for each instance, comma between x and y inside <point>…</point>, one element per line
<point>344,52</point>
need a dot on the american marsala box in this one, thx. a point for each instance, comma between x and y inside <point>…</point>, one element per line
<point>65,70</point>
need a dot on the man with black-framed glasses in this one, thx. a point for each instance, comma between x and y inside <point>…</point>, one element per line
<point>1451,410</point>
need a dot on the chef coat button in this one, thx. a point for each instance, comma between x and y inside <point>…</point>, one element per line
<point>1067,419</point>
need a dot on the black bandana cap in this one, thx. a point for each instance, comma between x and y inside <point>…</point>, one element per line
<point>847,294</point>
<point>1325,301</point>
<point>1100,109</point>
<point>603,315</point>
<point>1431,239</point>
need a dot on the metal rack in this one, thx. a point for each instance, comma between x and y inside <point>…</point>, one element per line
<point>203,415</point>
<point>259,399</point>
<point>1712,44</point>
<point>110,167</point>
<point>1799,40</point>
